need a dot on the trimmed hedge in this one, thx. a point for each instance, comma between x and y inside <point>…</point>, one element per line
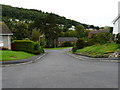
<point>27,46</point>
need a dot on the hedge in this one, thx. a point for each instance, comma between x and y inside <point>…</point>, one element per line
<point>27,46</point>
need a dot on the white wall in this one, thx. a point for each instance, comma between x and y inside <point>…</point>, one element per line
<point>7,41</point>
<point>116,29</point>
<point>1,41</point>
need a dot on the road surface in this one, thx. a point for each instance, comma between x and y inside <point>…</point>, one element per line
<point>58,70</point>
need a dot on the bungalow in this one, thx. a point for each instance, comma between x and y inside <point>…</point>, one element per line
<point>66,39</point>
<point>96,31</point>
<point>5,36</point>
<point>116,22</point>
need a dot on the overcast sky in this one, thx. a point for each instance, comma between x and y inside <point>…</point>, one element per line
<point>93,12</point>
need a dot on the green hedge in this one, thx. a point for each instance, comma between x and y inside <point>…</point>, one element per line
<point>28,46</point>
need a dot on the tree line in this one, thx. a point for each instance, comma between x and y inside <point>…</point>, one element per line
<point>32,23</point>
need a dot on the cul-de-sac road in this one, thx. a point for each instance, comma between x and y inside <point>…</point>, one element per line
<point>58,70</point>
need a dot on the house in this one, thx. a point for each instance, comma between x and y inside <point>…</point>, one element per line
<point>5,36</point>
<point>116,22</point>
<point>66,39</point>
<point>97,31</point>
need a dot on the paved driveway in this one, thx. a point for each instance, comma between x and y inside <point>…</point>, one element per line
<point>58,70</point>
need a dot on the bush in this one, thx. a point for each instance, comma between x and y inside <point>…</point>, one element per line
<point>27,45</point>
<point>118,39</point>
<point>38,49</point>
<point>101,38</point>
<point>74,49</point>
<point>67,44</point>
<point>81,43</point>
<point>24,45</point>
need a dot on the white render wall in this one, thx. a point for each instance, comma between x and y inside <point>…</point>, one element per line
<point>7,41</point>
<point>116,29</point>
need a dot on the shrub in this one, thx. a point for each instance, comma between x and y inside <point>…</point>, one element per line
<point>118,39</point>
<point>81,43</point>
<point>101,38</point>
<point>38,49</point>
<point>27,45</point>
<point>74,49</point>
<point>66,44</point>
<point>24,45</point>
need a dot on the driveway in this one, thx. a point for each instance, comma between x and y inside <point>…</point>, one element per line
<point>58,70</point>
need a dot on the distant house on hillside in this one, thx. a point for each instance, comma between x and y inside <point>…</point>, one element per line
<point>95,32</point>
<point>5,36</point>
<point>66,39</point>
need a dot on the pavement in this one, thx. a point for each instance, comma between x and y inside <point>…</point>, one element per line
<point>57,69</point>
<point>86,58</point>
<point>23,61</point>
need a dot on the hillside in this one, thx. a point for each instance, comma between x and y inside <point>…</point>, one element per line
<point>9,12</point>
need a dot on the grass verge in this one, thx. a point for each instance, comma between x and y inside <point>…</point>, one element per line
<point>99,50</point>
<point>8,55</point>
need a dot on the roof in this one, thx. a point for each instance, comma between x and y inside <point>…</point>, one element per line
<point>116,19</point>
<point>4,30</point>
<point>67,39</point>
<point>100,31</point>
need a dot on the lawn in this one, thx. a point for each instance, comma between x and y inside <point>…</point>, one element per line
<point>58,48</point>
<point>99,50</point>
<point>14,55</point>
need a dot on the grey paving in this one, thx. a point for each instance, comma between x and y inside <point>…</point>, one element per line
<point>58,70</point>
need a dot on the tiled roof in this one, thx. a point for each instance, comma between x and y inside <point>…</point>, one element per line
<point>4,30</point>
<point>99,31</point>
<point>67,39</point>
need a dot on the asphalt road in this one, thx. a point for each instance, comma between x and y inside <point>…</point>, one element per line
<point>58,70</point>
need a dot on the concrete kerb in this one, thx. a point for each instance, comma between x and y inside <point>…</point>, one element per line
<point>26,62</point>
<point>93,59</point>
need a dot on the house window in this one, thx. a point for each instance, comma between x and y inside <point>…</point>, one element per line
<point>1,41</point>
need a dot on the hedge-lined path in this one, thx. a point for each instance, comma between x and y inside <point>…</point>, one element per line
<point>58,70</point>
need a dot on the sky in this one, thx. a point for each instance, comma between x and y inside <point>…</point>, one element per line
<point>93,12</point>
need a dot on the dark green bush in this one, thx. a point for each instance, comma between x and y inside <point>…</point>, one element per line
<point>74,49</point>
<point>118,39</point>
<point>24,45</point>
<point>67,44</point>
<point>27,45</point>
<point>81,43</point>
<point>101,38</point>
<point>38,49</point>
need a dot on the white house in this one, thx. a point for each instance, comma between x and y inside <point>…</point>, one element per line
<point>5,36</point>
<point>116,22</point>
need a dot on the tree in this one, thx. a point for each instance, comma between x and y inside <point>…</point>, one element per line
<point>20,30</point>
<point>49,27</point>
<point>80,31</point>
<point>35,35</point>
